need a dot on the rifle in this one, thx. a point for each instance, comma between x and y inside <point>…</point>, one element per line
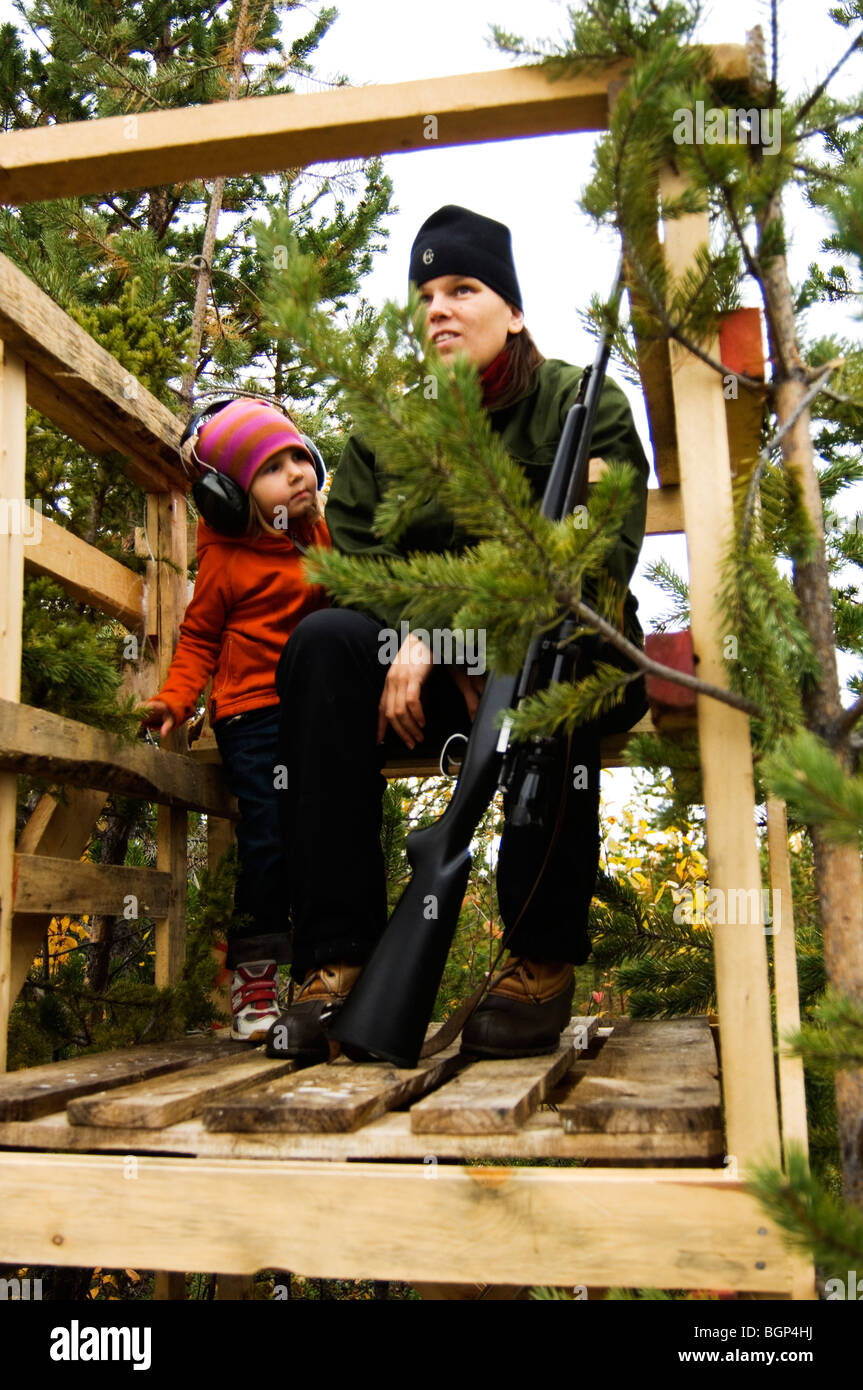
<point>388,1009</point>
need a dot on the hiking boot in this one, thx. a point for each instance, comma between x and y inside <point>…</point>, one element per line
<point>528,1005</point>
<point>300,1031</point>
<point>254,1000</point>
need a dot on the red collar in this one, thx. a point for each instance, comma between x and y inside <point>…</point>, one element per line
<point>495,378</point>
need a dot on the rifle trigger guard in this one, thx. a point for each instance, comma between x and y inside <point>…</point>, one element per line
<point>444,768</point>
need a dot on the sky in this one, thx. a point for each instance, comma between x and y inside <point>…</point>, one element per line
<point>534,185</point>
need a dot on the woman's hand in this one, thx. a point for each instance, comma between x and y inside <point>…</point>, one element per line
<point>158,714</point>
<point>471,688</point>
<point>400,702</point>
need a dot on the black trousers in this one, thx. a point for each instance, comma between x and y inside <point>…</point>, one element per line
<point>330,678</point>
<point>259,926</point>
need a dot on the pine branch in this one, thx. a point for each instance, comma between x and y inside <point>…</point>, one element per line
<point>805,773</point>
<point>773,443</point>
<point>833,1039</point>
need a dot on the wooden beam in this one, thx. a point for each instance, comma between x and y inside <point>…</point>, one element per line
<point>84,571</point>
<point>542,1136</point>
<point>166,527</point>
<point>75,418</point>
<point>13,447</point>
<point>792,1091</point>
<point>263,134</point>
<point>75,366</point>
<point>63,750</point>
<point>498,1225</point>
<point>664,511</point>
<point>749,1093</point>
<point>46,884</point>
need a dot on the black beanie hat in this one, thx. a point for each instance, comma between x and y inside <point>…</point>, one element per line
<point>456,241</point>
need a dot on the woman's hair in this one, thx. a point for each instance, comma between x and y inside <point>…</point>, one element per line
<point>523,359</point>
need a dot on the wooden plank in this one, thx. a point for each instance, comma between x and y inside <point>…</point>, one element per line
<point>169,1099</point>
<point>86,573</point>
<point>491,1095</point>
<point>751,1111</point>
<point>25,1095</point>
<point>389,1137</point>
<point>332,1098</point>
<point>792,1091</point>
<point>290,131</point>
<point>46,884</point>
<point>169,1285</point>
<point>63,750</point>
<point>101,435</point>
<point>13,448</point>
<point>664,511</point>
<point>652,1076</point>
<point>498,1096</point>
<point>40,333</point>
<point>384,1221</point>
<point>166,518</point>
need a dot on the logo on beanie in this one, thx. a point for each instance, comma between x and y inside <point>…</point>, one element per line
<point>428,256</point>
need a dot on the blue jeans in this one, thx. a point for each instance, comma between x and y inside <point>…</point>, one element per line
<point>260,927</point>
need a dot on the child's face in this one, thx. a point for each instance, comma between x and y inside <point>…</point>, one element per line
<point>285,487</point>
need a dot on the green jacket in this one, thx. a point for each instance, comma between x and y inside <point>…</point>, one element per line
<point>530,429</point>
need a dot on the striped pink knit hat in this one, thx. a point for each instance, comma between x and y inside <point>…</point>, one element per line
<point>241,436</point>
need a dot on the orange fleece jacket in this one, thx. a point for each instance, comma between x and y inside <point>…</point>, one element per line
<point>249,596</point>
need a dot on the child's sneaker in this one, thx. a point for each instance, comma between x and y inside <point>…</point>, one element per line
<point>254,1000</point>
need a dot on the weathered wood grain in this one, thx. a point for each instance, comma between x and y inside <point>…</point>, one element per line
<point>390,1137</point>
<point>153,1104</point>
<point>332,1098</point>
<point>63,750</point>
<point>652,1076</point>
<point>44,884</point>
<point>24,1095</point>
<point>491,1097</point>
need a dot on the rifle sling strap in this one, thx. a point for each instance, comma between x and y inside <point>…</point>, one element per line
<point>452,1026</point>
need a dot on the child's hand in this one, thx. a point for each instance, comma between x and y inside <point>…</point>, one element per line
<point>158,713</point>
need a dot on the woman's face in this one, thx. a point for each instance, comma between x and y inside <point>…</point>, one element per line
<point>465,317</point>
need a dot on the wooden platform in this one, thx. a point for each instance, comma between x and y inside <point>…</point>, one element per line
<point>641,1092</point>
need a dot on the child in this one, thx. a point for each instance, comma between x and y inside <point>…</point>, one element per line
<point>249,596</point>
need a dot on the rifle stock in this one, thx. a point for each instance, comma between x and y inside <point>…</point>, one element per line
<point>388,1009</point>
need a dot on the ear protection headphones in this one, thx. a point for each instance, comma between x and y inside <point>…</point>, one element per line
<point>223,504</point>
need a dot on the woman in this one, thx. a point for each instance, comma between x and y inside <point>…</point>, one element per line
<point>344,709</point>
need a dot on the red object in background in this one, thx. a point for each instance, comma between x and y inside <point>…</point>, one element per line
<point>741,347</point>
<point>672,649</point>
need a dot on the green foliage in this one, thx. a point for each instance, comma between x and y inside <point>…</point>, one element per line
<point>814,1221</point>
<point>804,772</point>
<point>833,1038</point>
<point>71,663</point>
<point>59,1015</point>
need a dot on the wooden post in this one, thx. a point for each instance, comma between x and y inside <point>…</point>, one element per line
<point>752,1119</point>
<point>166,529</point>
<point>792,1093</point>
<point>220,838</point>
<point>169,1284</point>
<point>13,445</point>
